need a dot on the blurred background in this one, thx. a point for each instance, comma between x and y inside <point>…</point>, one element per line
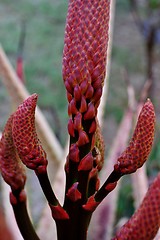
<point>34,30</point>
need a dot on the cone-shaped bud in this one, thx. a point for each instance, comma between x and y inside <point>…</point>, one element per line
<point>97,95</point>
<point>71,127</point>
<point>83,138</point>
<point>83,86</point>
<point>86,163</point>
<point>25,137</point>
<point>77,93</point>
<point>141,143</point>
<point>11,167</point>
<point>86,38</point>
<point>73,193</point>
<point>89,92</point>
<point>74,153</point>
<point>58,213</point>
<point>93,127</point>
<point>72,107</point>
<point>90,112</point>
<point>69,87</point>
<point>83,106</point>
<point>91,204</point>
<point>144,224</point>
<point>78,121</point>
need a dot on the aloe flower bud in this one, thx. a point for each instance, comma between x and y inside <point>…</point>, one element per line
<point>25,137</point>
<point>85,47</point>
<point>10,165</point>
<point>84,64</point>
<point>144,224</point>
<point>141,143</point>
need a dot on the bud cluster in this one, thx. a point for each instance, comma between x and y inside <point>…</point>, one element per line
<point>141,143</point>
<point>28,146</point>
<point>144,224</point>
<point>84,63</point>
<point>11,167</point>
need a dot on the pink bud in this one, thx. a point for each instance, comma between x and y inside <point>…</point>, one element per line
<point>58,212</point>
<point>68,87</point>
<point>83,106</point>
<point>73,193</point>
<point>93,127</point>
<point>83,138</point>
<point>78,121</point>
<point>74,153</point>
<point>91,204</point>
<point>69,97</point>
<point>84,86</point>
<point>89,92</point>
<point>97,95</point>
<point>77,93</point>
<point>90,112</point>
<point>72,107</point>
<point>86,163</point>
<point>71,128</point>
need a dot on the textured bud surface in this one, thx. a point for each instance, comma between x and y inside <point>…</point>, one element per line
<point>25,137</point>
<point>84,55</point>
<point>11,167</point>
<point>141,143</point>
<point>145,223</point>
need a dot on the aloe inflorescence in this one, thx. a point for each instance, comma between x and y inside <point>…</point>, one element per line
<point>84,66</point>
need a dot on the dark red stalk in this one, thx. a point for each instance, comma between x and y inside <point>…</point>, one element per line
<point>18,201</point>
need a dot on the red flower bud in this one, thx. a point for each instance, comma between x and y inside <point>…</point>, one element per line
<point>11,167</point>
<point>25,137</point>
<point>90,112</point>
<point>86,163</point>
<point>73,194</point>
<point>72,107</point>
<point>86,39</point>
<point>74,153</point>
<point>83,106</point>
<point>144,224</point>
<point>78,121</point>
<point>71,127</point>
<point>77,93</point>
<point>83,138</point>
<point>141,143</point>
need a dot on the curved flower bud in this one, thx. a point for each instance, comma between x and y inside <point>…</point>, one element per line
<point>144,224</point>
<point>25,137</point>
<point>10,165</point>
<point>141,143</point>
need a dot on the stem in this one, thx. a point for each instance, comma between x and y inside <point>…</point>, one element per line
<point>23,220</point>
<point>47,189</point>
<point>107,187</point>
<point>76,227</point>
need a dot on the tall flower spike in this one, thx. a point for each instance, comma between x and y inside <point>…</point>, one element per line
<point>141,143</point>
<point>84,64</point>
<point>145,223</point>
<point>10,165</point>
<point>84,55</point>
<point>25,137</point>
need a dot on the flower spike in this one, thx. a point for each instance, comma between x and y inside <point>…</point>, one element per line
<point>141,143</point>
<point>25,137</point>
<point>11,167</point>
<point>144,224</point>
